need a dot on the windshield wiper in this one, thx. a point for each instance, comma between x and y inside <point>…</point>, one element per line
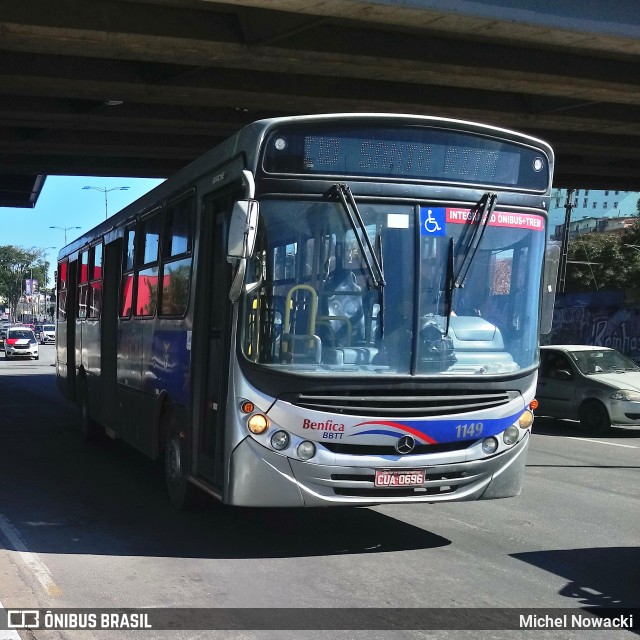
<point>478,221</point>
<point>380,314</point>
<point>357,225</point>
<point>448,285</point>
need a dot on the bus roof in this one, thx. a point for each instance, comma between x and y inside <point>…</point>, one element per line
<point>249,139</point>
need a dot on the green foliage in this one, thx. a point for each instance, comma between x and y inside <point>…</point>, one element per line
<point>611,263</point>
<point>175,293</point>
<point>18,264</point>
<point>631,236</point>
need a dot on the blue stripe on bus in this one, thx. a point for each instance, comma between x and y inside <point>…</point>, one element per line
<point>435,431</point>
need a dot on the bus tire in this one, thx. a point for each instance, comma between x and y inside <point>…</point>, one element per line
<point>90,430</point>
<point>594,417</point>
<point>182,494</point>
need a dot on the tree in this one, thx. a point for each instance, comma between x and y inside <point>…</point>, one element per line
<point>17,265</point>
<point>631,236</point>
<point>599,261</point>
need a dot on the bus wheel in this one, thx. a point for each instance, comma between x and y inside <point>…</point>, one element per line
<point>182,493</point>
<point>89,428</point>
<point>594,417</point>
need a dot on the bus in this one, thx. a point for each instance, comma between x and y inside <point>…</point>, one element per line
<point>327,310</point>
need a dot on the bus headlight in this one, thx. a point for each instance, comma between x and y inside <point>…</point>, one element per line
<point>489,445</point>
<point>510,435</point>
<point>306,450</point>
<point>258,423</point>
<point>525,420</point>
<point>280,440</point>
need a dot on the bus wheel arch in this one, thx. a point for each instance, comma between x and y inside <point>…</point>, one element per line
<point>182,493</point>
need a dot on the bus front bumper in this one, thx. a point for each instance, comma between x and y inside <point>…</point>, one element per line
<point>260,477</point>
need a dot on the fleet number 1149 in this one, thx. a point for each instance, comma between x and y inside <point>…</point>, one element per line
<point>469,430</point>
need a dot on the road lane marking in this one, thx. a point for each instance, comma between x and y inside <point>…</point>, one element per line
<point>611,444</point>
<point>34,564</point>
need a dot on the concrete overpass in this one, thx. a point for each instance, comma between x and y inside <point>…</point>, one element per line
<point>141,87</point>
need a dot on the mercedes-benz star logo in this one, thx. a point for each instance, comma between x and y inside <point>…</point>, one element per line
<point>405,445</point>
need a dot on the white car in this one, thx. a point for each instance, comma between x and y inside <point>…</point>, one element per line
<point>596,385</point>
<point>48,333</point>
<point>20,342</point>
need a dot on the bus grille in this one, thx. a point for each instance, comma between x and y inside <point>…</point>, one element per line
<point>400,403</point>
<point>381,450</point>
<point>437,483</point>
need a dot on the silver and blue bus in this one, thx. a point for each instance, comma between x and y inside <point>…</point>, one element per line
<point>324,310</point>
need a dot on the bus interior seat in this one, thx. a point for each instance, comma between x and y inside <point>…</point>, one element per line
<point>342,308</point>
<point>348,355</point>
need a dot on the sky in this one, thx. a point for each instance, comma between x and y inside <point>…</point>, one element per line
<point>64,203</point>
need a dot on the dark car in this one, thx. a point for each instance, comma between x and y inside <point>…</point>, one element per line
<point>596,385</point>
<point>37,330</point>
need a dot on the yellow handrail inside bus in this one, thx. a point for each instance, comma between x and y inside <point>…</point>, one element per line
<point>288,305</point>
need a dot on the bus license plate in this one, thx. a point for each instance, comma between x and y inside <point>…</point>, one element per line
<point>400,478</point>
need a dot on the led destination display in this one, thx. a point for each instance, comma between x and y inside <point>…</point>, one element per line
<point>411,152</point>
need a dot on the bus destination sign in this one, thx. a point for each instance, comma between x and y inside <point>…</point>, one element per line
<point>412,153</point>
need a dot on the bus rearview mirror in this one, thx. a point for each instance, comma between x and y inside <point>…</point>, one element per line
<point>242,229</point>
<point>549,280</point>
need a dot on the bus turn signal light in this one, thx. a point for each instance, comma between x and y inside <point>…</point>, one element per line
<point>247,407</point>
<point>533,405</point>
<point>525,420</point>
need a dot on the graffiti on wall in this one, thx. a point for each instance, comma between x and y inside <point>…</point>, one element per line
<point>616,326</point>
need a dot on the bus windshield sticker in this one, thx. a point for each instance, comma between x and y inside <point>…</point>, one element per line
<point>460,216</point>
<point>432,221</point>
<point>398,221</point>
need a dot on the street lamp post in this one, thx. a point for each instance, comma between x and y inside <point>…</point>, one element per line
<point>105,191</point>
<point>65,229</point>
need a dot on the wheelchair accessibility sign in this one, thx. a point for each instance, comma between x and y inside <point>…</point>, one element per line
<point>432,221</point>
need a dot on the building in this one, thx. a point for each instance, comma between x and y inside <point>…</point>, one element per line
<point>589,207</point>
<point>593,225</point>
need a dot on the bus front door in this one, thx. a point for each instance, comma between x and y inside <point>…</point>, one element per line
<point>212,324</point>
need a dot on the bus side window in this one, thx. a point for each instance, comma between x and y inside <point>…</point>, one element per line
<point>63,270</point>
<point>126,291</point>
<point>146,287</point>
<point>95,282</point>
<point>177,251</point>
<point>83,284</point>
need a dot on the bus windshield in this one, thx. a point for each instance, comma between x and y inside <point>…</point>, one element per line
<point>318,310</point>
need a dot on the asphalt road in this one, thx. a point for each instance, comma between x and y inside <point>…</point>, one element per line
<point>90,526</point>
